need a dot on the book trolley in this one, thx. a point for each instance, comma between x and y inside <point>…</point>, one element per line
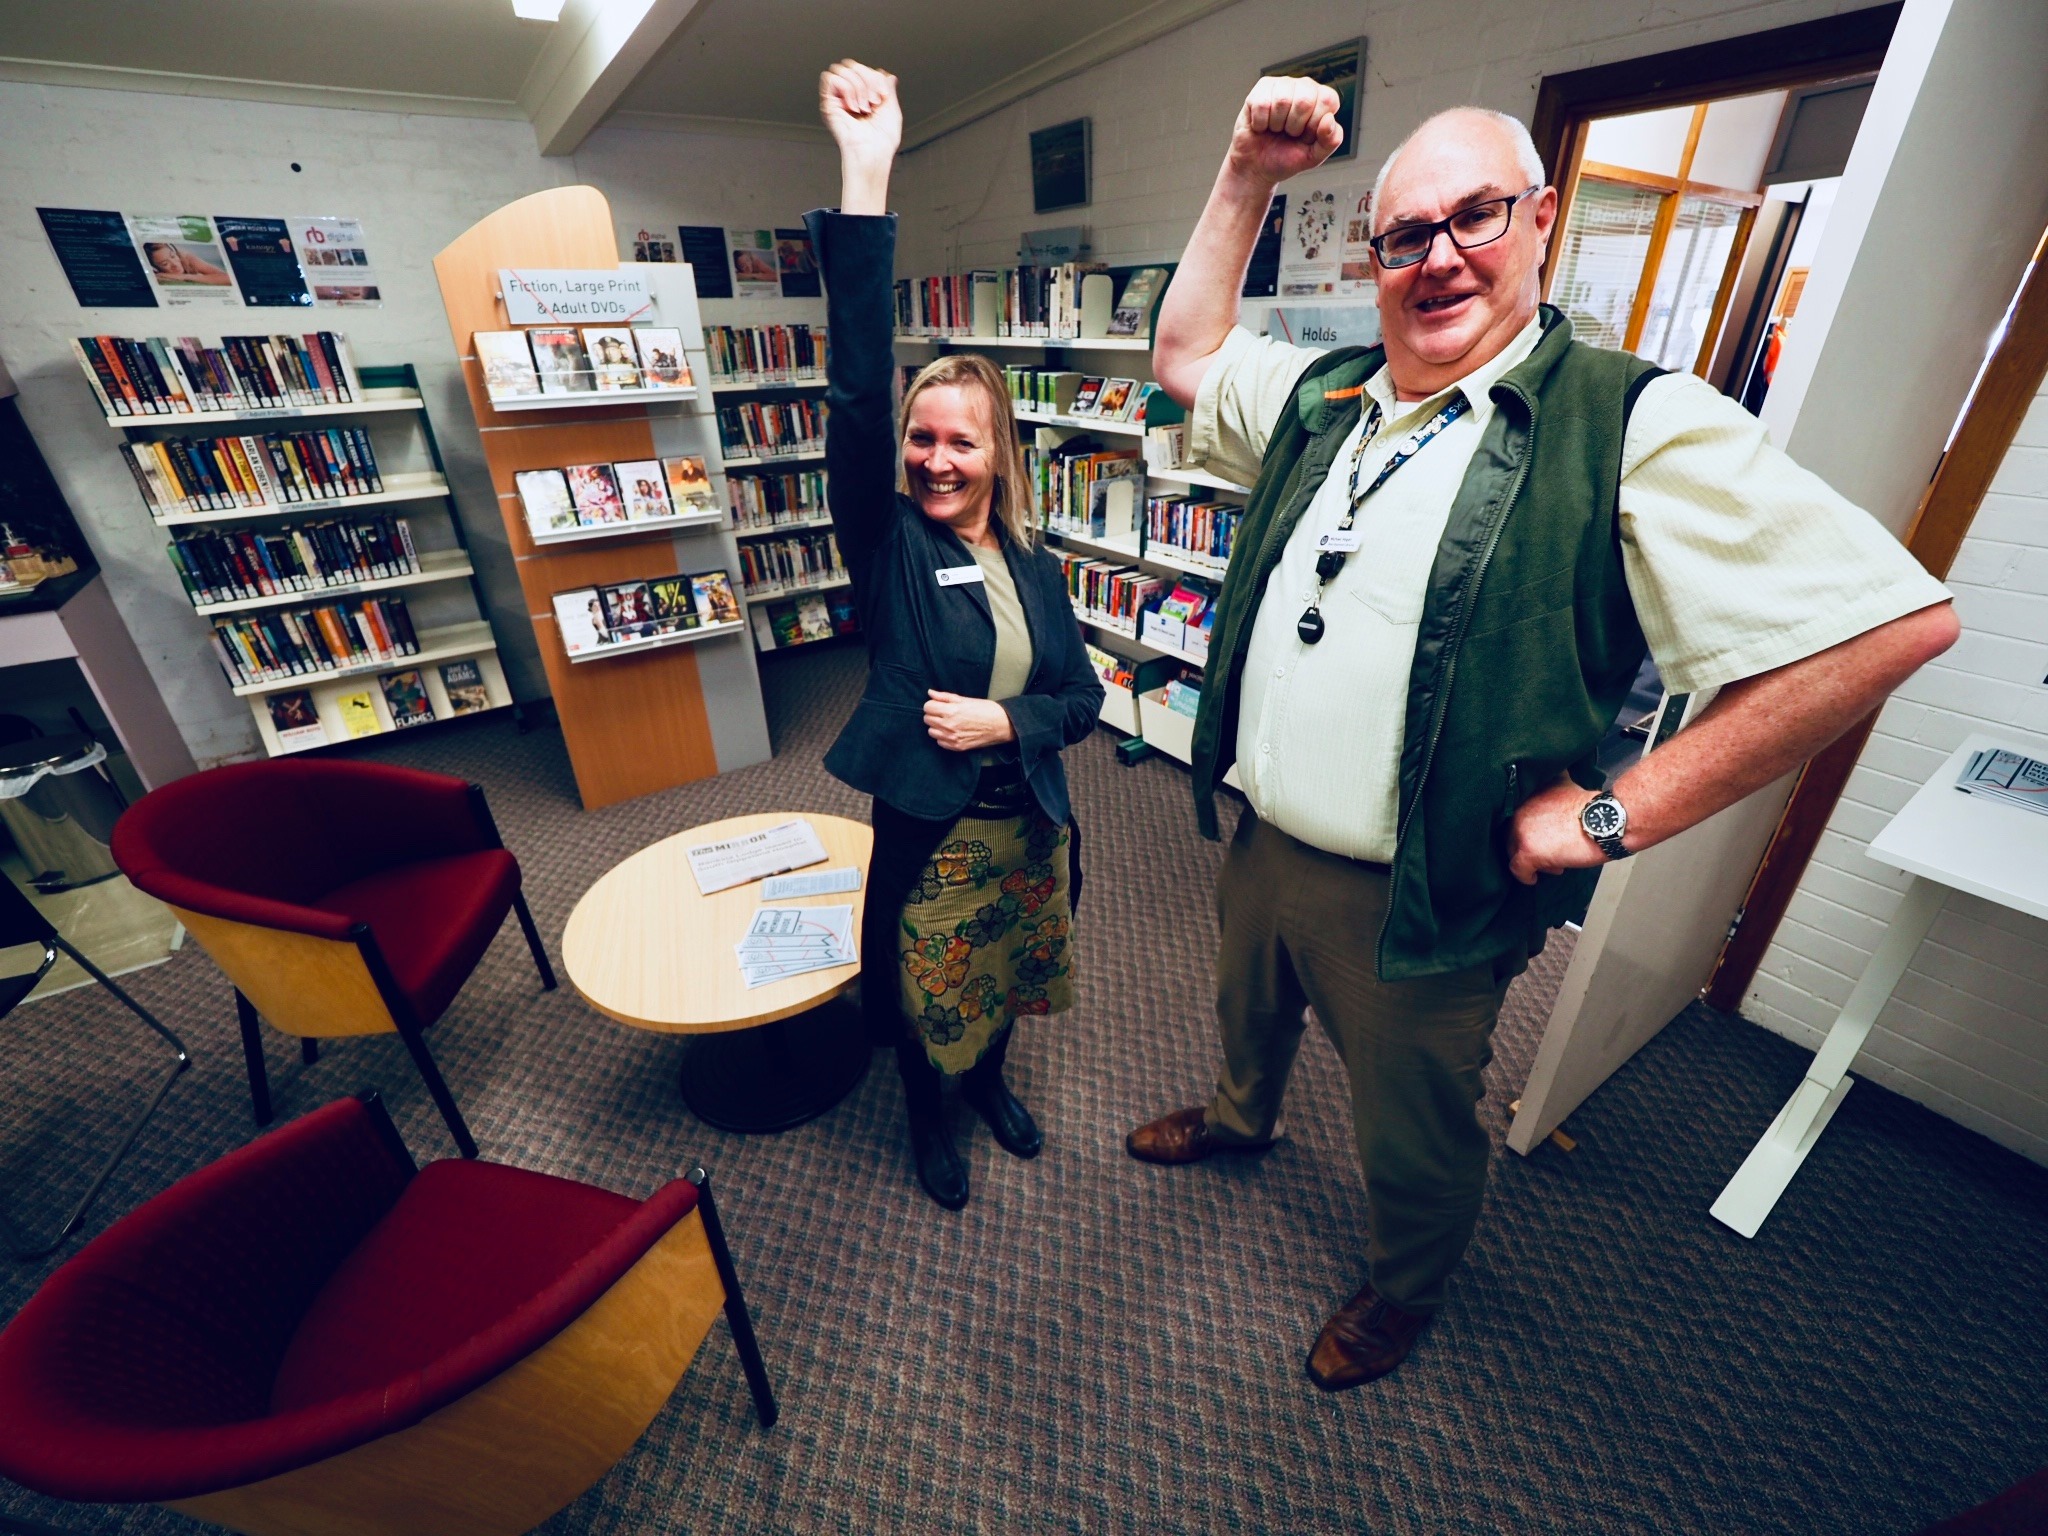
<point>1153,648</point>
<point>304,507</point>
<point>644,713</point>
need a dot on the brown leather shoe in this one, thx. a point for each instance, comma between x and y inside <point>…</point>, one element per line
<point>1182,1137</point>
<point>1367,1338</point>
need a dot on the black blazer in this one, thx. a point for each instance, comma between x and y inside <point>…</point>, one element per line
<point>921,635</point>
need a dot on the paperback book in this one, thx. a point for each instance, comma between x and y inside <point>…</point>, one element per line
<point>405,695</point>
<point>296,721</point>
<point>463,682</point>
<point>358,714</point>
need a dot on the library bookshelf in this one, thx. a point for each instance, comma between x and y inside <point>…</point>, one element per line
<point>255,565</point>
<point>650,716</point>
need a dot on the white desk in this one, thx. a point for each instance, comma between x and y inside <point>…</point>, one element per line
<point>1946,840</point>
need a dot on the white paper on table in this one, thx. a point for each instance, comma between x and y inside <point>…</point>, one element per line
<point>824,882</point>
<point>736,860</point>
<point>788,941</point>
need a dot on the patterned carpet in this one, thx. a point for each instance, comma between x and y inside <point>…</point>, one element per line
<point>1096,1345</point>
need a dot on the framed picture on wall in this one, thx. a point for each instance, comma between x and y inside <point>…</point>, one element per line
<point>1059,166</point>
<point>1341,67</point>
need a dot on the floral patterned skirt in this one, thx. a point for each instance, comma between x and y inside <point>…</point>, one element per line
<point>987,935</point>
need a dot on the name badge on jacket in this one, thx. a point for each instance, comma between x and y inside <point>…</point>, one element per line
<point>958,575</point>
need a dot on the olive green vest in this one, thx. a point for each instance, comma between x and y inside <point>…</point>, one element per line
<point>1527,646</point>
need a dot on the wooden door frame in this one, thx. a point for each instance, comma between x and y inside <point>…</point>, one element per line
<point>1990,421</point>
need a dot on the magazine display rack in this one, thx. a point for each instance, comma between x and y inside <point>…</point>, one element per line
<point>260,603</point>
<point>657,715</point>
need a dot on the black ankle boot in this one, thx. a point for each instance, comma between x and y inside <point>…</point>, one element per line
<point>983,1087</point>
<point>939,1167</point>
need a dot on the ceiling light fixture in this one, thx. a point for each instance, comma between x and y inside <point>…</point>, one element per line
<point>537,10</point>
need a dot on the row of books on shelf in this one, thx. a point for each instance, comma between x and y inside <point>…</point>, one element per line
<point>599,495</point>
<point>570,360</point>
<point>229,566</point>
<point>180,476</point>
<point>1062,392</point>
<point>296,717</point>
<point>769,501</point>
<point>1084,492</point>
<point>589,619</point>
<point>326,637</point>
<point>1114,670</point>
<point>772,429</point>
<point>1066,301</point>
<point>801,620</point>
<point>1174,614</point>
<point>184,376</point>
<point>765,354</point>
<point>798,560</point>
<point>1193,525</point>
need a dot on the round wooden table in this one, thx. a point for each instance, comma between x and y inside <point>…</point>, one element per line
<point>646,948</point>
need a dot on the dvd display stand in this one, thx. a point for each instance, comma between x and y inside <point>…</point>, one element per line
<point>652,716</point>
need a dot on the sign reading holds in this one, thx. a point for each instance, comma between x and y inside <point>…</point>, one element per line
<point>535,296</point>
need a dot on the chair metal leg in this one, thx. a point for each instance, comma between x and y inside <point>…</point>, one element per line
<point>309,1049</point>
<point>252,1051</point>
<point>437,1087</point>
<point>540,954</point>
<point>736,1315</point>
<point>180,1061</point>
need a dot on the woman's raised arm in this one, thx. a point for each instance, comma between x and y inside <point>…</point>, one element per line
<point>856,246</point>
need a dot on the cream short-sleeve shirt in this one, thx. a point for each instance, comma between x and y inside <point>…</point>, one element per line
<point>1738,561</point>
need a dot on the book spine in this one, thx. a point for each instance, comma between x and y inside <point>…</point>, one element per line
<point>117,357</point>
<point>372,476</point>
<point>323,369</point>
<point>104,385</point>
<point>172,376</point>
<point>412,554</point>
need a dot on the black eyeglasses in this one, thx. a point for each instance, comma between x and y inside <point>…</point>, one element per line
<point>1481,224</point>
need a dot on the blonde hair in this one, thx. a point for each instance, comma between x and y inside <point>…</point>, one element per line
<point>1010,504</point>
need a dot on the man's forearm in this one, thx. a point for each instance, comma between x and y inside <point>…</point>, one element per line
<point>1201,302</point>
<point>1763,727</point>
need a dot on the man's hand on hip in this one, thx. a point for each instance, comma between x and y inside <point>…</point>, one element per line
<point>1545,837</point>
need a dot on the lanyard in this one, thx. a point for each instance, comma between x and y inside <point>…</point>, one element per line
<point>1335,547</point>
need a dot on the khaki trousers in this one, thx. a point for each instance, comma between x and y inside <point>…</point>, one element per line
<point>1300,927</point>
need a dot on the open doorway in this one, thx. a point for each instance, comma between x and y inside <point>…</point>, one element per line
<point>1685,234</point>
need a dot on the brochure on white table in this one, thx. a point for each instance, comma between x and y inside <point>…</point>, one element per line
<point>734,861</point>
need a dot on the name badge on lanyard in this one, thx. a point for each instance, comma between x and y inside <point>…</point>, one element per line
<point>959,575</point>
<point>1343,541</point>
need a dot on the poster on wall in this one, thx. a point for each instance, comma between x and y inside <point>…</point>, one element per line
<point>265,265</point>
<point>648,246</point>
<point>1342,68</point>
<point>1354,270</point>
<point>337,261</point>
<point>797,263</point>
<point>1262,273</point>
<point>98,258</point>
<point>754,273</point>
<point>1309,247</point>
<point>704,249</point>
<point>183,256</point>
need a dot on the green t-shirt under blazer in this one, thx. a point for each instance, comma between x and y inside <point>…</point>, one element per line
<point>1527,646</point>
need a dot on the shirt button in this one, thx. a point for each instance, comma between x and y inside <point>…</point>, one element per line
<point>1265,749</point>
<point>1279,671</point>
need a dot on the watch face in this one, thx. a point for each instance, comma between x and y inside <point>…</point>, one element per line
<point>1603,818</point>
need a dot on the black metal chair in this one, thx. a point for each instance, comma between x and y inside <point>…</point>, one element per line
<point>22,924</point>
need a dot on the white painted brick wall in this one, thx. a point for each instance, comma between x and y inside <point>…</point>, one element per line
<point>1967,1031</point>
<point>416,183</point>
<point>1162,113</point>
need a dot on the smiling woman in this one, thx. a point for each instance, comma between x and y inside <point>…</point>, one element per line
<point>977,679</point>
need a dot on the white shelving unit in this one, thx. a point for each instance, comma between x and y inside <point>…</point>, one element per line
<point>657,642</point>
<point>450,616</point>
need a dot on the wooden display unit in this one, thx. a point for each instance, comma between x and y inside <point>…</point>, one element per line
<point>654,716</point>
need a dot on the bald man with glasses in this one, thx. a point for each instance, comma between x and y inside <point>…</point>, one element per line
<point>1457,548</point>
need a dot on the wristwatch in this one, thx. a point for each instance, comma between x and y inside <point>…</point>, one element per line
<point>1605,820</point>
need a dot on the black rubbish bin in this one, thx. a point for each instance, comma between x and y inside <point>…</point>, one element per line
<point>60,809</point>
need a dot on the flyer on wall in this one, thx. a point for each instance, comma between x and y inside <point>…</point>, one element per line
<point>266,267</point>
<point>755,274</point>
<point>337,262</point>
<point>1354,274</point>
<point>183,255</point>
<point>1309,248</point>
<point>98,258</point>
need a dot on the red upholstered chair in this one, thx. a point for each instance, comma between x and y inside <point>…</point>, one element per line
<point>310,1336</point>
<point>340,898</point>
